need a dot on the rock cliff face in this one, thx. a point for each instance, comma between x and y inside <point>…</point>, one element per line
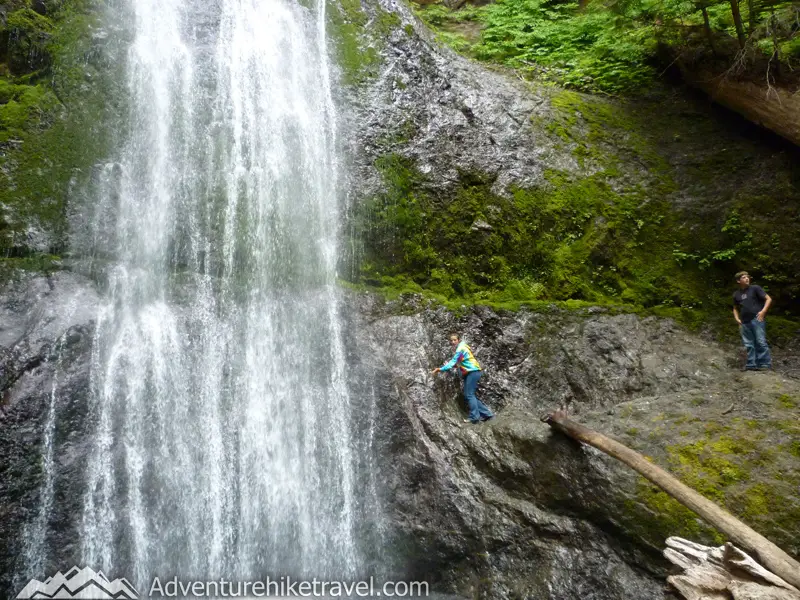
<point>46,327</point>
<point>655,201</point>
<point>446,114</point>
<point>508,510</point>
<point>499,510</point>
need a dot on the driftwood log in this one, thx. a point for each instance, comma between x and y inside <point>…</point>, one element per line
<point>767,553</point>
<point>722,573</point>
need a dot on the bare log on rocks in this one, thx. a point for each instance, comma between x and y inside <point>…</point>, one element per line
<point>767,553</point>
<point>722,573</point>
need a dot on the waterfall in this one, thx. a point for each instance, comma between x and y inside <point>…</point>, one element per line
<point>35,532</point>
<point>224,441</point>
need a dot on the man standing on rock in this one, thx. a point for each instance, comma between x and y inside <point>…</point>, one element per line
<point>750,305</point>
<point>471,371</point>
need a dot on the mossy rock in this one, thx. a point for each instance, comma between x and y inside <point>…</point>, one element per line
<point>569,238</point>
<point>27,109</point>
<point>26,36</point>
<point>358,32</point>
<point>616,232</point>
<point>53,122</point>
<point>745,461</point>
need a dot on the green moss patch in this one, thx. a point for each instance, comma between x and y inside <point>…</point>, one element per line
<point>12,268</point>
<point>749,467</point>
<point>26,36</point>
<point>358,37</point>
<point>614,232</point>
<point>574,238</point>
<point>666,517</point>
<point>54,112</point>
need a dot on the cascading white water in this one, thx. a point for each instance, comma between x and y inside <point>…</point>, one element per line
<point>35,532</point>
<point>224,442</point>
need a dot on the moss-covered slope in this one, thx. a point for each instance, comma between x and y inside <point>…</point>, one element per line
<point>735,443</point>
<point>56,98</point>
<point>653,203</point>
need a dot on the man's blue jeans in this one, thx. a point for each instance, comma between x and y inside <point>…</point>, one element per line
<point>477,409</point>
<point>754,338</point>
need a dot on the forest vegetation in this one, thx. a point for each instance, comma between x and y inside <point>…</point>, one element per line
<point>620,46</point>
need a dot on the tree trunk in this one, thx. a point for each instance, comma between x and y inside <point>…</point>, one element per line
<point>751,15</point>
<point>772,557</point>
<point>776,109</point>
<point>707,25</point>
<point>737,20</point>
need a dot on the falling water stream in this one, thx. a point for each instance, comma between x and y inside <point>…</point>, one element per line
<point>35,532</point>
<point>224,441</point>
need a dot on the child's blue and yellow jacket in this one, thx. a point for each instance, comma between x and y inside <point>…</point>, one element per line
<point>463,358</point>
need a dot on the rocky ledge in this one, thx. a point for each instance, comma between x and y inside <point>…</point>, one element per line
<point>508,509</point>
<point>505,509</point>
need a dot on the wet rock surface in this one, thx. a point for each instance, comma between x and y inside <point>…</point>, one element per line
<point>508,509</point>
<point>460,118</point>
<point>46,326</point>
<point>505,509</point>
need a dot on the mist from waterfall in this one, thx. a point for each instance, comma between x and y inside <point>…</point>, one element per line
<point>225,442</point>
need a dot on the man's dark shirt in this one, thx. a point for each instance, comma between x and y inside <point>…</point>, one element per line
<point>750,301</point>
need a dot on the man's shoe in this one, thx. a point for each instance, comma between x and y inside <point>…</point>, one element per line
<point>487,418</point>
<point>473,422</point>
<point>749,369</point>
<point>767,368</point>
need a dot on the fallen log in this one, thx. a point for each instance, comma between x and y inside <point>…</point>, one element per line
<point>722,573</point>
<point>767,553</point>
<point>771,107</point>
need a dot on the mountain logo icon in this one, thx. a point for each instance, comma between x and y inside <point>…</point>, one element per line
<point>79,583</point>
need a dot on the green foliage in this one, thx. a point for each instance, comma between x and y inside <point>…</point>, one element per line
<point>440,17</point>
<point>584,49</point>
<point>435,15</point>
<point>737,240</point>
<point>458,29</point>
<point>613,47</point>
